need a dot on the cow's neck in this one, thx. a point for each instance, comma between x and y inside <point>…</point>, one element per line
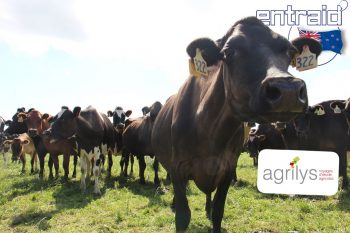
<point>216,115</point>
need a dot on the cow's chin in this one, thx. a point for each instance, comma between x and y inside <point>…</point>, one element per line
<point>267,117</point>
<point>275,116</point>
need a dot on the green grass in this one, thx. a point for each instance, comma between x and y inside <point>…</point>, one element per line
<point>28,204</point>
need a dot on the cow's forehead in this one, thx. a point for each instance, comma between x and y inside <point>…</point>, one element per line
<point>119,112</point>
<point>34,113</point>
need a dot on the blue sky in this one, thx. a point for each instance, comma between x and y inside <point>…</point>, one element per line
<point>127,53</point>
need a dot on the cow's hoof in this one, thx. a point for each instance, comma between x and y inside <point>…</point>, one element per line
<point>50,177</point>
<point>74,175</point>
<point>98,194</point>
<point>157,183</point>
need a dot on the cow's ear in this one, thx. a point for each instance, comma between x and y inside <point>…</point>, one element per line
<point>45,116</point>
<point>8,122</point>
<point>261,137</point>
<point>314,46</point>
<point>337,106</point>
<point>31,109</point>
<point>154,110</point>
<point>109,113</point>
<point>7,142</point>
<point>76,111</point>
<point>211,53</point>
<point>128,113</point>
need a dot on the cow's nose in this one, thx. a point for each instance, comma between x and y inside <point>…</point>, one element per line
<point>285,94</point>
<point>32,132</point>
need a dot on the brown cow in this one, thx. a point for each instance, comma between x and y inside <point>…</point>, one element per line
<point>37,124</point>
<point>198,134</point>
<point>21,146</point>
<point>137,141</point>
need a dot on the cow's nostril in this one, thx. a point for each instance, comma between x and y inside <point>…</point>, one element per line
<point>272,93</point>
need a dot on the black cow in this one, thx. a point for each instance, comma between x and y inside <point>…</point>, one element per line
<point>120,122</point>
<point>198,134</point>
<point>324,127</point>
<point>17,125</point>
<point>95,137</point>
<point>137,141</point>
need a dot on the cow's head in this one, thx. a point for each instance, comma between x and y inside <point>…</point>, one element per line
<point>154,110</point>
<point>253,142</point>
<point>17,147</point>
<point>119,118</point>
<point>145,110</point>
<point>254,63</point>
<point>36,122</point>
<point>64,125</point>
<point>17,125</point>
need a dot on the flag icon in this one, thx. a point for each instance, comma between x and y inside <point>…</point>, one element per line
<point>330,40</point>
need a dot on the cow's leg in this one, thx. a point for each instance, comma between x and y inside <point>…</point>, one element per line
<point>41,163</point>
<point>36,161</point>
<point>182,210</point>
<point>124,162</point>
<point>96,171</point>
<point>66,158</point>
<point>208,206</point>
<point>343,164</point>
<point>50,163</point>
<point>132,164</point>
<point>33,157</point>
<point>75,166</point>
<point>83,167</point>
<point>219,202</point>
<point>23,159</point>
<point>156,168</point>
<point>142,167</point>
<point>110,163</point>
<point>89,164</point>
<point>56,164</point>
<point>255,161</point>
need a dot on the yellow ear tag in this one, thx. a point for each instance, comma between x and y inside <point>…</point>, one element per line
<point>20,119</point>
<point>337,110</point>
<point>199,65</point>
<point>319,111</point>
<point>306,60</point>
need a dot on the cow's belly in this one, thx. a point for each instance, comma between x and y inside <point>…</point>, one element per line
<point>206,172</point>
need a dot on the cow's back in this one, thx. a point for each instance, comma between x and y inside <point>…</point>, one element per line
<point>161,133</point>
<point>137,136</point>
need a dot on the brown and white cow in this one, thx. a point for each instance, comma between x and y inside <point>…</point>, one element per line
<point>198,134</point>
<point>94,135</point>
<point>37,123</point>
<point>21,146</point>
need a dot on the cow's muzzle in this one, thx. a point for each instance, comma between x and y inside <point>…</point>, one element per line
<point>285,94</point>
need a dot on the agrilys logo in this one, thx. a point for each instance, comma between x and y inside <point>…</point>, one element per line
<point>298,172</point>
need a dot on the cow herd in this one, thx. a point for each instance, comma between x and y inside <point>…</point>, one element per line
<point>199,133</point>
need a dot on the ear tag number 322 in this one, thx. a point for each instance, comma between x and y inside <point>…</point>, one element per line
<point>199,63</point>
<point>306,60</point>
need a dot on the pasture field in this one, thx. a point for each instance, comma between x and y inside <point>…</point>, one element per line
<point>28,204</point>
